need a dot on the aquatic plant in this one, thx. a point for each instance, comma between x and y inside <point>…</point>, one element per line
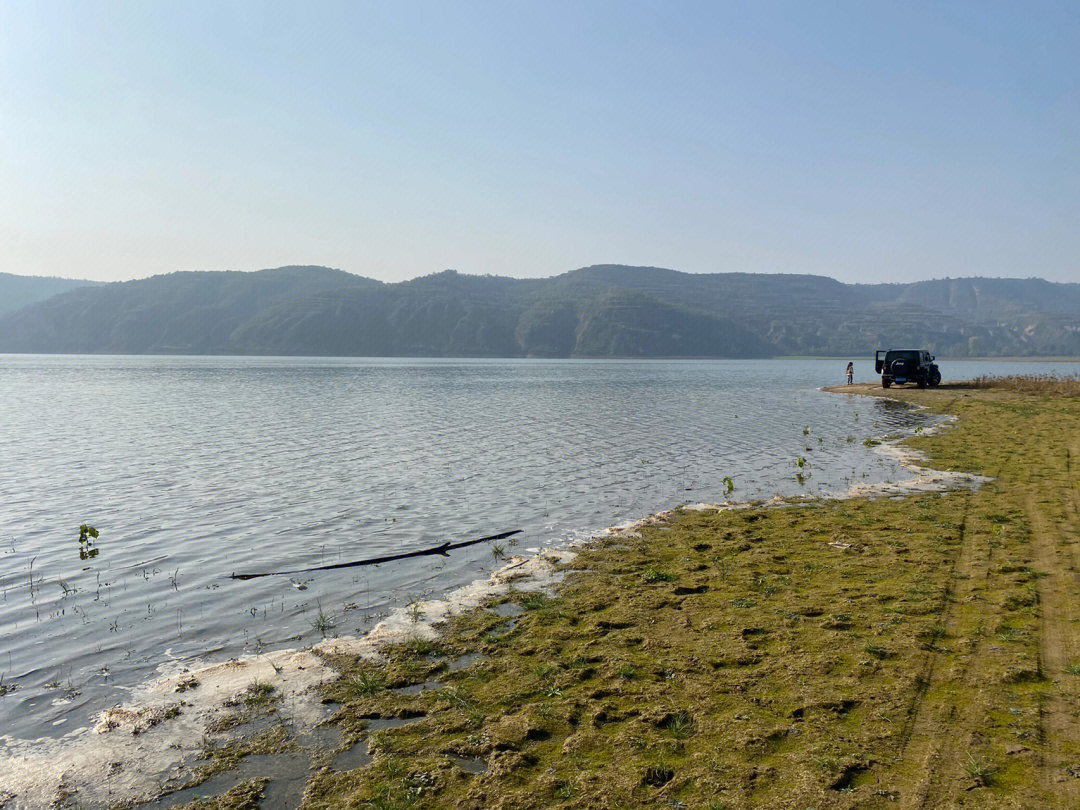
<point>364,683</point>
<point>729,485</point>
<point>802,464</point>
<point>87,535</point>
<point>322,623</point>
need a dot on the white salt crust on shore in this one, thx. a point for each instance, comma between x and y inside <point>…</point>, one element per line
<point>130,751</point>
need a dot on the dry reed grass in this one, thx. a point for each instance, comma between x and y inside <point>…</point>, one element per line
<point>1046,384</point>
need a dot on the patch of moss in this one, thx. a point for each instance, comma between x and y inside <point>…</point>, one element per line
<point>244,796</point>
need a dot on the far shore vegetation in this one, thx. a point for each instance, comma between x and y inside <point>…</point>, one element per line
<point>914,652</point>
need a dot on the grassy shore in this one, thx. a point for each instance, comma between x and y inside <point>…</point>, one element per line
<point>921,652</point>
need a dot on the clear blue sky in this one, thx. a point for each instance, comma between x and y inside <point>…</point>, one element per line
<point>866,141</point>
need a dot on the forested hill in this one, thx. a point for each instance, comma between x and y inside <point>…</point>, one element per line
<point>19,291</point>
<point>601,311</point>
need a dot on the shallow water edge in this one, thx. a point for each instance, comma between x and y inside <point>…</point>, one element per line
<point>131,751</point>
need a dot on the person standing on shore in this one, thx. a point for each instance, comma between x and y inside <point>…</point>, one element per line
<point>850,372</point>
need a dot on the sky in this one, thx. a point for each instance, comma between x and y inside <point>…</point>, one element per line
<point>866,141</point>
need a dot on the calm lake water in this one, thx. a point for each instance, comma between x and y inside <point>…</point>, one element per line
<point>194,468</point>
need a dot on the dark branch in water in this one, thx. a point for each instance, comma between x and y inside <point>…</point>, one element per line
<point>444,549</point>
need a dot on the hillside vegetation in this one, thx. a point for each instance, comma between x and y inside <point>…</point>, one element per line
<point>17,292</point>
<point>601,311</point>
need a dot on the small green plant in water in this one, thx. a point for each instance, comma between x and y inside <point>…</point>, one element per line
<point>729,485</point>
<point>322,623</point>
<point>364,684</point>
<point>87,536</point>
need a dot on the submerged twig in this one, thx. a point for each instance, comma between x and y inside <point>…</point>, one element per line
<point>444,549</point>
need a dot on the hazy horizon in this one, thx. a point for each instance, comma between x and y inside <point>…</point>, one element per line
<point>863,143</point>
<point>539,276</point>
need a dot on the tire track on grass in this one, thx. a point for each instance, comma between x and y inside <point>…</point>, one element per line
<point>1059,648</point>
<point>924,748</point>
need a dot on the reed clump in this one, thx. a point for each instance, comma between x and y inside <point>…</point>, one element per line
<point>1067,385</point>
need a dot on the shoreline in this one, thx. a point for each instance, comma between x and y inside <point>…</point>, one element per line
<point>828,653</point>
<point>155,732</point>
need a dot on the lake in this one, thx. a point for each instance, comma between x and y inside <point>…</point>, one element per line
<point>193,468</point>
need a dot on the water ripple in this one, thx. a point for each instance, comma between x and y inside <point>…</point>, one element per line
<point>193,468</point>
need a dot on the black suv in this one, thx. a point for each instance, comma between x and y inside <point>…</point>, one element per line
<point>906,366</point>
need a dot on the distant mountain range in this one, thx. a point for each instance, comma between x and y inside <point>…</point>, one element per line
<point>18,291</point>
<point>600,311</point>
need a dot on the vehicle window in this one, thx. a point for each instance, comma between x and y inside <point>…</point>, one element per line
<point>891,356</point>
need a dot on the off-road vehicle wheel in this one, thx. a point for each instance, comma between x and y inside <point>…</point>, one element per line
<point>921,382</point>
<point>934,378</point>
<point>885,383</point>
